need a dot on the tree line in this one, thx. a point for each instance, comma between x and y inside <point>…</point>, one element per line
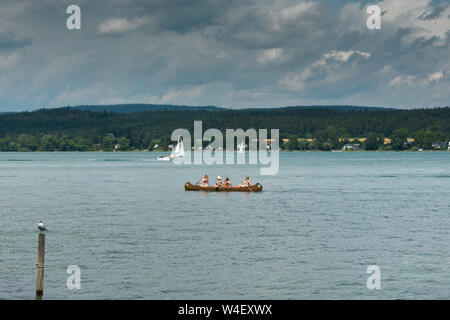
<point>67,129</point>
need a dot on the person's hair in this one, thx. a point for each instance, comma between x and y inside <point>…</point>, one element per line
<point>247,177</point>
<point>226,179</point>
<point>206,176</point>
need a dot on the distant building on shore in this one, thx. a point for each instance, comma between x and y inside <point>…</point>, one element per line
<point>439,145</point>
<point>351,146</point>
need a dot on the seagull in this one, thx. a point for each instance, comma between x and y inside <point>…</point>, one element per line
<point>41,226</point>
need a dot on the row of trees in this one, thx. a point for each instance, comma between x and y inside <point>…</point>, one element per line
<point>325,140</point>
<point>67,129</point>
<point>400,139</point>
<point>48,142</point>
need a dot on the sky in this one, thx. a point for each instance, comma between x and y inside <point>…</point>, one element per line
<point>230,53</point>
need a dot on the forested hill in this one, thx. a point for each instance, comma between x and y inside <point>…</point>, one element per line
<point>129,108</point>
<point>142,129</point>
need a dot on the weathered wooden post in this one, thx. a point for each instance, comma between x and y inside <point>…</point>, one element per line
<point>40,267</point>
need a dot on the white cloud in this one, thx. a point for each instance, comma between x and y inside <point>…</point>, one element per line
<point>141,98</point>
<point>342,56</point>
<point>121,26</point>
<point>221,55</point>
<point>409,14</point>
<point>386,70</point>
<point>278,19</point>
<point>222,93</point>
<point>326,67</point>
<point>434,76</point>
<point>12,9</point>
<point>58,73</point>
<point>402,80</point>
<point>293,81</point>
<point>353,16</point>
<point>295,11</point>
<point>179,96</point>
<point>410,80</point>
<point>86,95</point>
<point>270,55</point>
<point>8,62</point>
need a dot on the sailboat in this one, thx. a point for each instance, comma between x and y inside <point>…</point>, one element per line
<point>241,147</point>
<point>178,151</point>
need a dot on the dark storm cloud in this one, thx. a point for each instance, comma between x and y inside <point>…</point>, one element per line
<point>433,14</point>
<point>174,15</point>
<point>9,40</point>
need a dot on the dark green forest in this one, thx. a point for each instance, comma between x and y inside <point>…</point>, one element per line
<point>69,129</point>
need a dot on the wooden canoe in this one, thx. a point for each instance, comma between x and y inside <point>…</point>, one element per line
<point>253,188</point>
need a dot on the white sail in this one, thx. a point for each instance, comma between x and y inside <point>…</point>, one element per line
<point>178,151</point>
<point>241,147</point>
<point>175,150</point>
<point>181,151</point>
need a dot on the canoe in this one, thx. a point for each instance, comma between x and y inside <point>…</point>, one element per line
<point>253,188</point>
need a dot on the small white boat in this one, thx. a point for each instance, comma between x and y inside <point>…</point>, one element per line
<point>241,147</point>
<point>178,151</point>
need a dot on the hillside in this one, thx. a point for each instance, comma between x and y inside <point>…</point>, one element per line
<point>66,127</point>
<point>129,108</point>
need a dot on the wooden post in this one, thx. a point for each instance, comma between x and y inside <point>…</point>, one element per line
<point>40,267</point>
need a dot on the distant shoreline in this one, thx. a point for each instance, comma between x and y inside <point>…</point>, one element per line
<point>283,151</point>
<point>68,129</point>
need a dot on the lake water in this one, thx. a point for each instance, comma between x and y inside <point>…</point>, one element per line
<point>126,221</point>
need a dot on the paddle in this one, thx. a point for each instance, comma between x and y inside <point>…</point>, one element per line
<point>201,179</point>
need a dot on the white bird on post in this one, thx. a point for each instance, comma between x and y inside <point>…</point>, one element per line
<point>41,226</point>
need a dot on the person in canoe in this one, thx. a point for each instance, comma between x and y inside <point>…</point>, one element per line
<point>227,183</point>
<point>246,182</point>
<point>219,182</point>
<point>204,181</point>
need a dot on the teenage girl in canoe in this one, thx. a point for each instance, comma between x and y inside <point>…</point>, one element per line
<point>227,183</point>
<point>246,182</point>
<point>219,182</point>
<point>205,181</point>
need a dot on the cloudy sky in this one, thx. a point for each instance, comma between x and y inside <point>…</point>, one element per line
<point>252,53</point>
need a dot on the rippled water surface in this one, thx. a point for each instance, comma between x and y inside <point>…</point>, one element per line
<point>126,220</point>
